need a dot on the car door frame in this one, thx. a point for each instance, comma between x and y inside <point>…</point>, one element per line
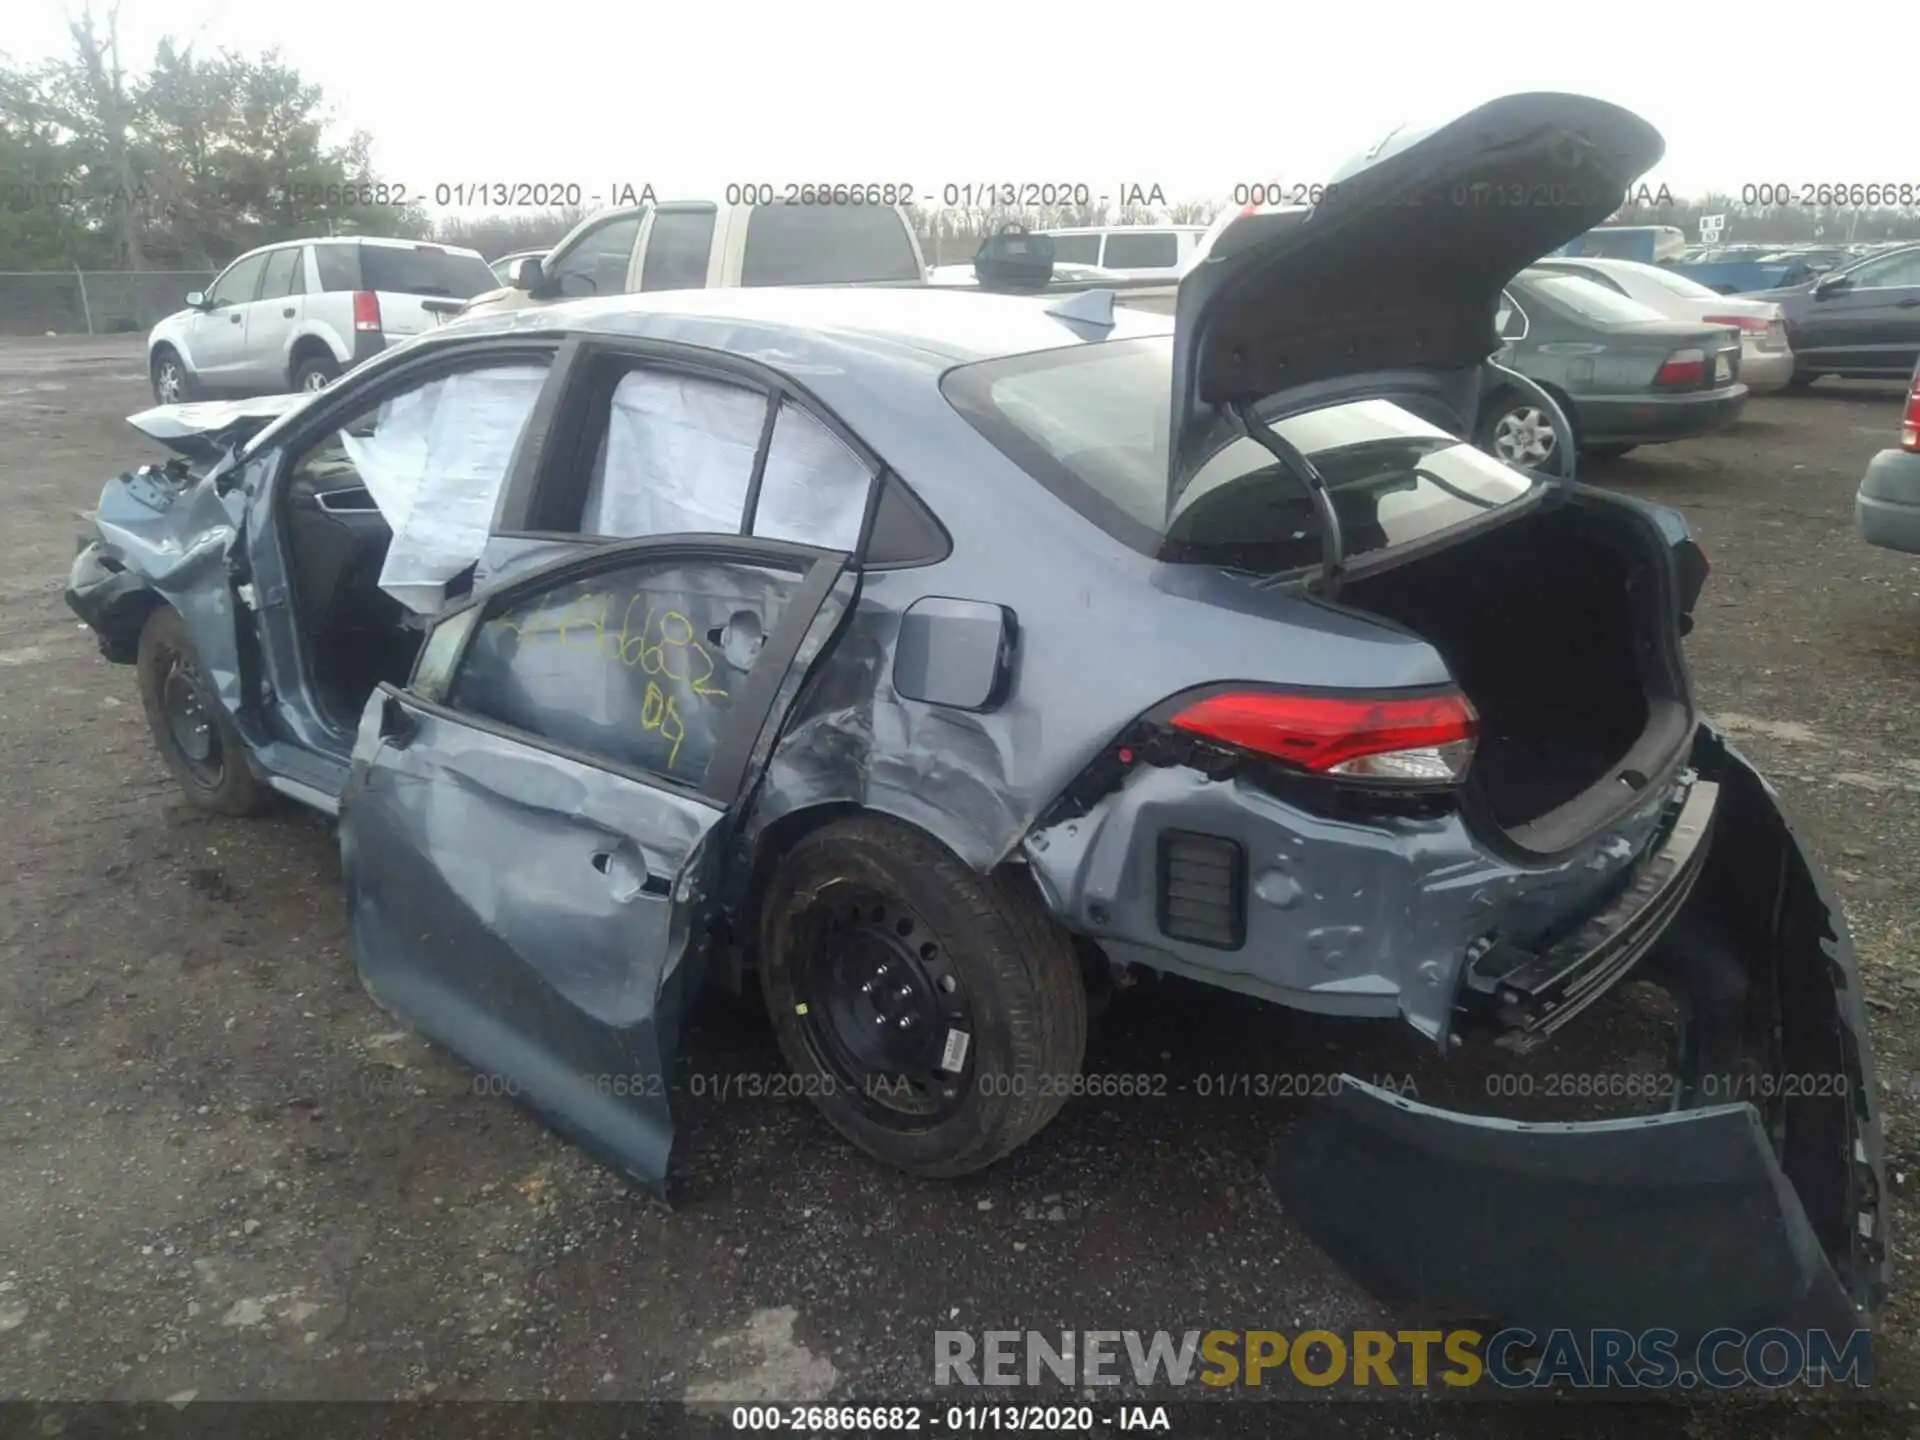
<point>544,479</point>
<point>274,652</point>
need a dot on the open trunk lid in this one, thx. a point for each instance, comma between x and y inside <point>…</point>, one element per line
<point>1399,267</point>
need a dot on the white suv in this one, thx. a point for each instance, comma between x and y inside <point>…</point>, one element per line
<point>295,315</point>
<point>1140,252</point>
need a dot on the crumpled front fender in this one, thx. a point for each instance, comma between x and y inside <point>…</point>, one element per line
<point>1763,1209</point>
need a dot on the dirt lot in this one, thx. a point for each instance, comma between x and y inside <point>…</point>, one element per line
<point>226,1172</point>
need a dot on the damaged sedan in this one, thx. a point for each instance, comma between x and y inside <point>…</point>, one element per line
<point>920,658</point>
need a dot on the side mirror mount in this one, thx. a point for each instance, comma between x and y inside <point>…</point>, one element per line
<point>527,273</point>
<point>1830,285</point>
<point>196,300</point>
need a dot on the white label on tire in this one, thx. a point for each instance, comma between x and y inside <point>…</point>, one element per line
<point>953,1055</point>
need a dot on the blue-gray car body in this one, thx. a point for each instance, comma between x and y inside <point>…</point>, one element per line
<point>996,663</point>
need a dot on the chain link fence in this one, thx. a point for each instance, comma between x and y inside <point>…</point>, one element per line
<point>93,302</point>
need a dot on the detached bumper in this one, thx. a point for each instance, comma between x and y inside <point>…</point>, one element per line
<point>1647,419</point>
<point>1764,1211</point>
<point>1887,508</point>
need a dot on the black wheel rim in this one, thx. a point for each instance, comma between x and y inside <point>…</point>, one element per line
<point>880,1005</point>
<point>189,719</point>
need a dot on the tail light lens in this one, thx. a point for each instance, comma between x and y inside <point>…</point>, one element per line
<point>366,310</point>
<point>1910,422</point>
<point>1425,739</point>
<point>1683,367</point>
<point>1745,324</point>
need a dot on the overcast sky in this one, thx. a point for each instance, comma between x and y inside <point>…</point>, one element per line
<point>1194,98</point>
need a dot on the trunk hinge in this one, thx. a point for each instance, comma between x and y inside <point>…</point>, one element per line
<point>1332,547</point>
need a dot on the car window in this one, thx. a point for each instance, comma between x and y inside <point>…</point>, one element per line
<point>1076,249</point>
<point>1149,248</point>
<point>238,284</point>
<point>1590,301</point>
<point>1510,321</point>
<point>596,264</point>
<point>826,244</point>
<point>814,489</point>
<point>1085,423</point>
<point>1893,270</point>
<point>338,265</point>
<point>282,277</point>
<point>433,458</point>
<point>424,270</point>
<point>678,245</point>
<point>676,457</point>
<point>640,664</point>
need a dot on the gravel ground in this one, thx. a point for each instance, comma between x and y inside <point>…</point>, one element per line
<point>227,1173</point>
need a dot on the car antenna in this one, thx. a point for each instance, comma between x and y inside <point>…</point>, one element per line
<point>1332,548</point>
<point>1087,307</point>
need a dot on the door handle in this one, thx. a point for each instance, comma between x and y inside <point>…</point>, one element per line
<point>1909,302</point>
<point>287,313</point>
<point>233,319</point>
<point>621,871</point>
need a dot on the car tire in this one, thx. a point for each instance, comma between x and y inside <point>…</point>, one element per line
<point>191,730</point>
<point>868,920</point>
<point>172,381</point>
<point>1606,452</point>
<point>1801,380</point>
<point>314,372</point>
<point>1504,419</point>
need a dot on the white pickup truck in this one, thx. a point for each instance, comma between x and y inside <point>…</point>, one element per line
<point>693,245</point>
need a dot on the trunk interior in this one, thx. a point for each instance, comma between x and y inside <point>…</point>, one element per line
<point>1558,628</point>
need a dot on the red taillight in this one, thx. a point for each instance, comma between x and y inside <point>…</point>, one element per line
<point>366,310</point>
<point>1427,738</point>
<point>1910,422</point>
<point>1683,367</point>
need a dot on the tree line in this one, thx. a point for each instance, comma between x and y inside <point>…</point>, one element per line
<point>191,159</point>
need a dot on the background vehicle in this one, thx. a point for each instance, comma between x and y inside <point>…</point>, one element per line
<point>1649,244</point>
<point>1818,259</point>
<point>1887,509</point>
<point>1766,362</point>
<point>296,315</point>
<point>1138,251</point>
<point>695,244</point>
<point>1741,270</point>
<point>1860,321</point>
<point>504,268</point>
<point>1625,374</point>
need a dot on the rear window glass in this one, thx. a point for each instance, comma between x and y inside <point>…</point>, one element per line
<point>826,244</point>
<point>1127,252</point>
<point>423,270</point>
<point>339,266</point>
<point>1089,423</point>
<point>1591,301</point>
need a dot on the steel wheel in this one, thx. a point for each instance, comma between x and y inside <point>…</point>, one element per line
<point>881,999</point>
<point>313,381</point>
<point>1524,436</point>
<point>188,720</point>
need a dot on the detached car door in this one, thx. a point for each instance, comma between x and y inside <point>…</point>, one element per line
<point>532,822</point>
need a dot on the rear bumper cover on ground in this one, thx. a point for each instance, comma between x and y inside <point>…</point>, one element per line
<point>1887,508</point>
<point>1689,1220</point>
<point>1646,419</point>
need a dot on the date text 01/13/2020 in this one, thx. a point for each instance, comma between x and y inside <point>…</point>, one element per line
<point>880,1419</point>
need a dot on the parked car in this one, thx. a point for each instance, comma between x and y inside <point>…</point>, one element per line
<point>1860,322</point>
<point>694,244</point>
<point>1626,374</point>
<point>1887,508</point>
<point>1819,258</point>
<point>298,315</point>
<point>931,656</point>
<point>1766,362</point>
<point>1727,275</point>
<point>507,266</point>
<point>1139,251</point>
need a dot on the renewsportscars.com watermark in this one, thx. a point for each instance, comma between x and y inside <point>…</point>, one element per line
<point>1415,1359</point>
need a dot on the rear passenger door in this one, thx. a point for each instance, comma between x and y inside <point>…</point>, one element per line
<point>676,248</point>
<point>274,317</point>
<point>536,816</point>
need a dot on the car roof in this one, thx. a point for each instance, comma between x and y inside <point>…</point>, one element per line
<point>385,240</point>
<point>919,326</point>
<point>1118,229</point>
